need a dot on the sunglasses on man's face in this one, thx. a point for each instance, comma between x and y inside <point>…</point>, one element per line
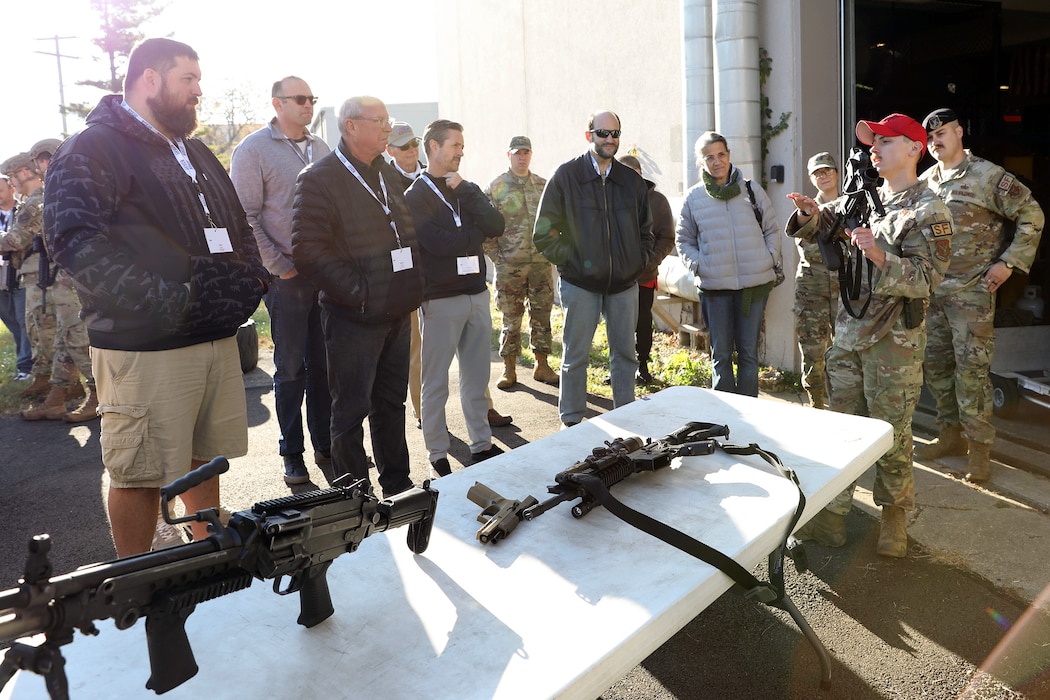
<point>408,146</point>
<point>300,99</point>
<point>606,133</point>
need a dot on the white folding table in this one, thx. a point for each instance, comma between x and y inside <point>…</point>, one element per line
<point>562,608</point>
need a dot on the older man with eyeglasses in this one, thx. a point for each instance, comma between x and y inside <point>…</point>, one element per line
<point>354,239</point>
<point>264,168</point>
<point>595,224</point>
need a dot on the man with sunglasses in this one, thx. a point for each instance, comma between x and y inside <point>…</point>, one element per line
<point>264,168</point>
<point>595,224</point>
<point>403,149</point>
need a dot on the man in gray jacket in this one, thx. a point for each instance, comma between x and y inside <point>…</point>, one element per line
<point>263,170</point>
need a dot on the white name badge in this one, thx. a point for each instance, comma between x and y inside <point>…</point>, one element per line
<point>218,240</point>
<point>401,258</point>
<point>468,265</point>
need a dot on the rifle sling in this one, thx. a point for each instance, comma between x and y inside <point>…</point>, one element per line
<point>771,594</point>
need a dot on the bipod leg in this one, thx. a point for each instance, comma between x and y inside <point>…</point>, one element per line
<point>45,660</point>
<point>776,568</point>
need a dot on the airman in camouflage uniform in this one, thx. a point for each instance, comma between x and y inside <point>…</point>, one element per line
<point>875,363</point>
<point>522,273</point>
<point>27,228</point>
<point>982,198</point>
<point>816,289</point>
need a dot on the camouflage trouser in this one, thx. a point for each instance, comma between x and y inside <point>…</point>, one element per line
<point>40,324</point>
<point>816,303</point>
<point>959,351</point>
<point>882,382</point>
<point>516,284</point>
<point>71,337</point>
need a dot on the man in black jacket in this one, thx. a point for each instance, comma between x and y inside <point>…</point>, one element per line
<point>452,219</point>
<point>353,238</point>
<point>595,224</point>
<point>147,223</point>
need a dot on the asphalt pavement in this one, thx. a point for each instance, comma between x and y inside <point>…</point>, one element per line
<point>965,615</point>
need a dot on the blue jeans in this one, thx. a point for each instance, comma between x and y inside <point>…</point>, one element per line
<point>730,330</point>
<point>582,311</point>
<point>13,315</point>
<point>301,365</point>
<point>368,369</point>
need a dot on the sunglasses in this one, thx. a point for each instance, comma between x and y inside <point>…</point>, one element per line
<point>300,99</point>
<point>411,144</point>
<point>606,133</point>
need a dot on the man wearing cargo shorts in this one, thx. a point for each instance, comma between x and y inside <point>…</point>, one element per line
<point>874,365</point>
<point>961,338</point>
<point>522,273</point>
<point>167,270</point>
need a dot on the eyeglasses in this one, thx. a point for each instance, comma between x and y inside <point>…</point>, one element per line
<point>300,99</point>
<point>606,133</point>
<point>410,145</point>
<point>380,121</point>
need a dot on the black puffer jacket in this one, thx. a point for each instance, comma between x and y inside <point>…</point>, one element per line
<point>125,220</point>
<point>598,232</point>
<point>342,241</point>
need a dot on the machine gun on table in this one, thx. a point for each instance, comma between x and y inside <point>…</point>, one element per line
<point>860,197</point>
<point>296,537</point>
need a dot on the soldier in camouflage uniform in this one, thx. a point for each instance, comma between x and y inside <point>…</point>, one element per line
<point>522,273</point>
<point>19,239</point>
<point>71,354</point>
<point>982,198</point>
<point>816,289</point>
<point>875,363</point>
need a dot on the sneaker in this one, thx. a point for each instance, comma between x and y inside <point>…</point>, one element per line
<point>167,535</point>
<point>295,470</point>
<point>492,451</point>
<point>441,466</point>
<point>22,376</point>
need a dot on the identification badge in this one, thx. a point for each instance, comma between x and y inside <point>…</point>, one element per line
<point>470,265</point>
<point>218,240</point>
<point>401,259</point>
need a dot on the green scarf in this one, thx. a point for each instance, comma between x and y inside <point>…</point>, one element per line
<point>726,191</point>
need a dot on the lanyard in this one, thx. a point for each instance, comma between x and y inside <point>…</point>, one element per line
<point>178,149</point>
<point>298,151</point>
<point>382,185</point>
<point>455,214</point>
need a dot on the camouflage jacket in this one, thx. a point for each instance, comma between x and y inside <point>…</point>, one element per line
<point>916,234</point>
<point>27,225</point>
<point>808,251</point>
<point>518,199</point>
<point>982,198</point>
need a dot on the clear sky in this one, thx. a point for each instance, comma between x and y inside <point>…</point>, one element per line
<point>341,48</point>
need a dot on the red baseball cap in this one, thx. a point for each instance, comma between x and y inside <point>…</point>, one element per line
<point>893,125</point>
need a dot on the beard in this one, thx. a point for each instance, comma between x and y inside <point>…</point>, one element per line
<point>606,150</point>
<point>178,118</point>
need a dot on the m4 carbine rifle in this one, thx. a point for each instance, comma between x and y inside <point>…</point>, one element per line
<point>860,196</point>
<point>296,536</point>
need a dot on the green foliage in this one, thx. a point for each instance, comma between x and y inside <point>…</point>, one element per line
<point>769,130</point>
<point>685,368</point>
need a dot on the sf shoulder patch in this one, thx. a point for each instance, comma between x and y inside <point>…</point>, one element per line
<point>1005,183</point>
<point>941,230</point>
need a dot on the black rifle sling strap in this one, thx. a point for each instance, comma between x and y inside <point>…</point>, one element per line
<point>754,205</point>
<point>755,589</point>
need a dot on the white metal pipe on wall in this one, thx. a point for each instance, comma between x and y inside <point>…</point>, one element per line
<point>699,76</point>
<point>737,90</point>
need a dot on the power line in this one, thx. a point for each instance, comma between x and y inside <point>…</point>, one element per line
<point>61,87</point>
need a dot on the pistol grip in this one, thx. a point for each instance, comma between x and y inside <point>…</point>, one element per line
<point>171,659</point>
<point>315,600</point>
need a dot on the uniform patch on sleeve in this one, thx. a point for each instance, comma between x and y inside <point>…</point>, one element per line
<point>941,230</point>
<point>1005,183</point>
<point>944,249</point>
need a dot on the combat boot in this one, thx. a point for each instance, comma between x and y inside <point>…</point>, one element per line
<point>949,442</point>
<point>39,388</point>
<point>543,372</point>
<point>893,533</point>
<point>825,528</point>
<point>978,466</point>
<point>86,411</point>
<point>53,407</point>
<point>816,399</point>
<point>76,392</point>
<point>510,372</point>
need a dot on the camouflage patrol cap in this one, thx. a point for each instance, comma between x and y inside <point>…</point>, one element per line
<point>17,162</point>
<point>821,160</point>
<point>48,146</point>
<point>519,143</point>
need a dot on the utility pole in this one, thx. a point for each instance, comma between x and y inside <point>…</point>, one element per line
<point>61,87</point>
